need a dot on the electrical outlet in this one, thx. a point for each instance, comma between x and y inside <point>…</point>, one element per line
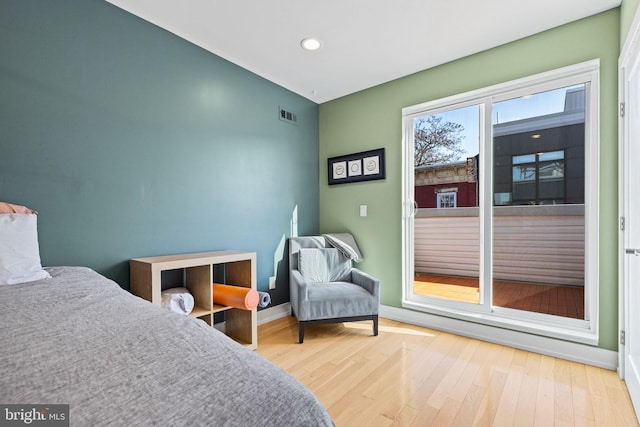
<point>272,282</point>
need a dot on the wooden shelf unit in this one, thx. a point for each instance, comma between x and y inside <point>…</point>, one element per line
<point>239,270</point>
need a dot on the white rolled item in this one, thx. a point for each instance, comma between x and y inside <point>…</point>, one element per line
<point>178,300</point>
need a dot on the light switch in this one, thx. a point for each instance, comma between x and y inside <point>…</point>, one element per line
<point>363,210</point>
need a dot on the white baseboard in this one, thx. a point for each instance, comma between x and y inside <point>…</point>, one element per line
<point>272,313</point>
<point>575,352</point>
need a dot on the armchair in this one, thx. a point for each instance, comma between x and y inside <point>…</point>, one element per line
<point>325,288</point>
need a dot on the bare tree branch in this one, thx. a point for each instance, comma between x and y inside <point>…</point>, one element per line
<point>437,142</point>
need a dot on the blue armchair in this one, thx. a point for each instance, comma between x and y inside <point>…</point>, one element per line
<point>325,288</point>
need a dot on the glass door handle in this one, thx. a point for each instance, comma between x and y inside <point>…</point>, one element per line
<point>410,208</point>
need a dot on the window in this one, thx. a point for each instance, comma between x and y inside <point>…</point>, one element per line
<point>446,200</point>
<point>531,224</point>
<point>538,178</point>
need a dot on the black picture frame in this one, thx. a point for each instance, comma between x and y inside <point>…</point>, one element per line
<point>356,167</point>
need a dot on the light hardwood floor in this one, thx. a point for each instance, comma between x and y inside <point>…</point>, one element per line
<point>413,376</point>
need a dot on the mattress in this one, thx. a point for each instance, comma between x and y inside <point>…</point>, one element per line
<point>115,359</point>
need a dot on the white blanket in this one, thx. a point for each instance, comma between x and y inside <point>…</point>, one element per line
<point>346,244</point>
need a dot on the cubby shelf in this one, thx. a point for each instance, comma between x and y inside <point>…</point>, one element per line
<point>239,270</point>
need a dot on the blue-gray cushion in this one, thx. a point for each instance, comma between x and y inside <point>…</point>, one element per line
<point>318,265</point>
<point>339,299</point>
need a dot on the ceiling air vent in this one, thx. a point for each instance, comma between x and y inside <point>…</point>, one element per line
<point>287,116</point>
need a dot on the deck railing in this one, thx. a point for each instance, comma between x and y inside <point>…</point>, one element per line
<point>538,244</point>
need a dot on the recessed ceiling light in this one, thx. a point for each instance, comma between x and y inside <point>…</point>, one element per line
<point>310,43</point>
<point>536,136</point>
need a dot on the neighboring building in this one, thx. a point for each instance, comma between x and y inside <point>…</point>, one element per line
<point>450,185</point>
<point>540,160</point>
<point>537,161</point>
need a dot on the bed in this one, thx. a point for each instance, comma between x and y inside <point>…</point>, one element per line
<point>77,338</point>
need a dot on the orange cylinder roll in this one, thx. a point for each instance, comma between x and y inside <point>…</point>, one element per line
<point>235,296</point>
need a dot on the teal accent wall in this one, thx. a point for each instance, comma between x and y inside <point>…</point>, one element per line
<point>132,142</point>
<point>372,119</point>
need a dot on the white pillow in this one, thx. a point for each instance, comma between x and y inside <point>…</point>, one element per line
<point>322,265</point>
<point>19,251</point>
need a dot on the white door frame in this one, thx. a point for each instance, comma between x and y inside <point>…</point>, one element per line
<point>628,63</point>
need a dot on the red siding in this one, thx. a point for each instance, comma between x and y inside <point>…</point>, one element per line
<point>425,195</point>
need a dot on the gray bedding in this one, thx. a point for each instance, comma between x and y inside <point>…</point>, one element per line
<point>79,339</point>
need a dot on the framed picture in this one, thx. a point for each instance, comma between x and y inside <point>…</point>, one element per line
<point>356,167</point>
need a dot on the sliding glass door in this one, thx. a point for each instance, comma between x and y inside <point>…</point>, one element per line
<point>502,193</point>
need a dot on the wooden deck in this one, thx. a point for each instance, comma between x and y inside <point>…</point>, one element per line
<point>566,301</point>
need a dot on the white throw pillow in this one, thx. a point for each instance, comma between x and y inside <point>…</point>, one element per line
<point>322,265</point>
<point>19,251</point>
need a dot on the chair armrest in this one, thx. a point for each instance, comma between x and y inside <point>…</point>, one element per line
<point>298,286</point>
<point>367,281</point>
<point>298,294</point>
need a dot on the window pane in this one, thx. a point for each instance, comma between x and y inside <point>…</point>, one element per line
<point>528,158</point>
<point>447,223</point>
<point>551,192</point>
<point>524,173</point>
<point>523,193</point>
<point>554,155</point>
<point>551,170</point>
<point>539,155</point>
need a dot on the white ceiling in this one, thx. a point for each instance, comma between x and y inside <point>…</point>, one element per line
<point>364,42</point>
